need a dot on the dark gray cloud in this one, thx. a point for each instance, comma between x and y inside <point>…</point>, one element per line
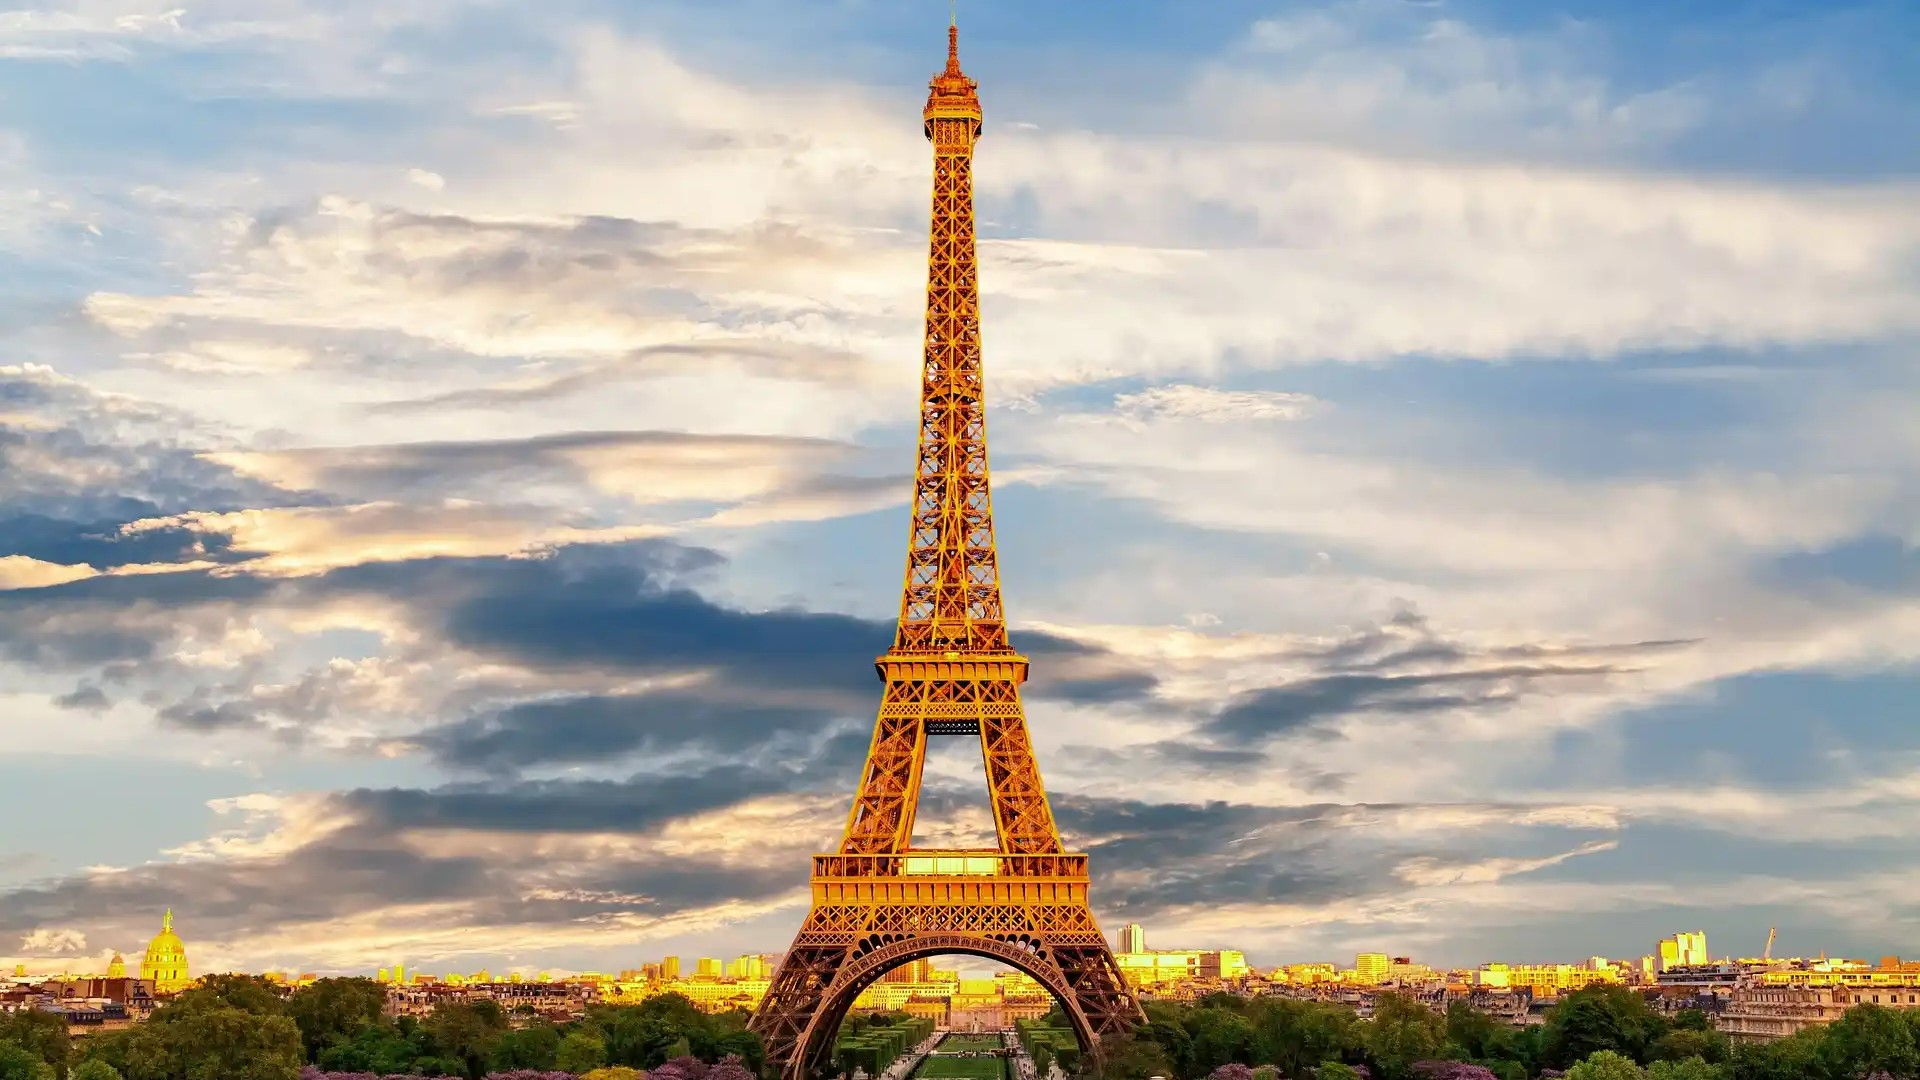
<point>97,623</point>
<point>623,609</point>
<point>1403,667</point>
<point>91,458</point>
<point>200,713</point>
<point>101,544</point>
<point>85,699</point>
<point>584,729</point>
<point>484,468</point>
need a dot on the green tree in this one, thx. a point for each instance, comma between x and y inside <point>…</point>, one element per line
<point>1606,1065</point>
<point>467,1032</point>
<point>1401,1032</point>
<point>1472,1032</point>
<point>382,1049</point>
<point>108,1047</point>
<point>1220,999</point>
<point>532,1047</point>
<point>1795,1057</point>
<point>1692,1068</point>
<point>41,1033</point>
<point>247,993</point>
<point>94,1069</point>
<point>580,1052</point>
<point>1218,1037</point>
<point>1869,1039</point>
<point>1692,1020</point>
<point>1295,1036</point>
<point>1130,1057</point>
<point>1596,1018</point>
<point>207,1039</point>
<point>668,1026</point>
<point>1688,1042</point>
<point>1042,1059</point>
<point>19,1063</point>
<point>1336,1070</point>
<point>333,1011</point>
<point>1164,1030</point>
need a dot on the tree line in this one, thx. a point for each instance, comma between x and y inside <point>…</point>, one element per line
<point>236,1027</point>
<point>241,1027</point>
<point>1597,1033</point>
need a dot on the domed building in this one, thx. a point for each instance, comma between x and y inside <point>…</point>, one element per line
<point>166,963</point>
<point>117,967</point>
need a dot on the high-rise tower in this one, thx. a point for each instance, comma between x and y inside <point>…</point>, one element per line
<point>877,903</point>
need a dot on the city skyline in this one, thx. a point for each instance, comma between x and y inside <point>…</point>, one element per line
<point>451,516</point>
<point>1680,948</point>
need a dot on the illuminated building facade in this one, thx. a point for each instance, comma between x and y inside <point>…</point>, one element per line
<point>165,966</point>
<point>1543,980</point>
<point>1370,968</point>
<point>1684,950</point>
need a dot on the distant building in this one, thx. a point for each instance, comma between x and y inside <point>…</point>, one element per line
<point>913,971</point>
<point>1774,1009</point>
<point>165,966</point>
<point>1542,980</point>
<point>1683,950</point>
<point>1132,938</point>
<point>1370,968</point>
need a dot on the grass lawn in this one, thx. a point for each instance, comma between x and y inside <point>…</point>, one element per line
<point>946,1068</point>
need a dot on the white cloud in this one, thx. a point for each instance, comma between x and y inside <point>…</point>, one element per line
<point>49,940</point>
<point>1430,872</point>
<point>22,572</point>
<point>1207,405</point>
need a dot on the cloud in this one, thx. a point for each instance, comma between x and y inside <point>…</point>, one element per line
<point>21,572</point>
<point>1407,76</point>
<point>1214,406</point>
<point>54,941</point>
<point>67,450</point>
<point>84,698</point>
<point>310,540</point>
<point>236,358</point>
<point>640,466</point>
<point>1434,872</point>
<point>581,288</point>
<point>659,728</point>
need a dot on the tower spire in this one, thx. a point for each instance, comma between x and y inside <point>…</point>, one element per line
<point>951,599</point>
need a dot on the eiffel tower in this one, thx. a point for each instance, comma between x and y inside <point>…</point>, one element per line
<point>877,902</point>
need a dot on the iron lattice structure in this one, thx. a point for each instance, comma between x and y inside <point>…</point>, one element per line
<point>878,903</point>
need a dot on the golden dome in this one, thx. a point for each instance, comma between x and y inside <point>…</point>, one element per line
<point>166,962</point>
<point>117,967</point>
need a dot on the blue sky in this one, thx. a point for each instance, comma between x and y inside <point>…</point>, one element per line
<point>1456,468</point>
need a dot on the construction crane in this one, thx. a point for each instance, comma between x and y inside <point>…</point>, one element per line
<point>1768,954</point>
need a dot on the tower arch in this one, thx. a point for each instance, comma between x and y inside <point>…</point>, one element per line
<point>883,953</point>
